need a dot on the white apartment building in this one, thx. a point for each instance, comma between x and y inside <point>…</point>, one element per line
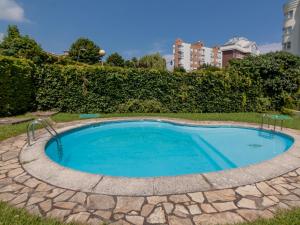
<point>191,56</point>
<point>291,27</point>
<point>238,48</point>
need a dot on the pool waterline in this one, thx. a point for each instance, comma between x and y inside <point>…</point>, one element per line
<point>203,159</point>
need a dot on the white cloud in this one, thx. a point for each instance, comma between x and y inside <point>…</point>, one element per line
<point>10,10</point>
<point>271,47</point>
<point>169,61</point>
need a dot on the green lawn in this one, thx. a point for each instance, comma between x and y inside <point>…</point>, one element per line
<point>11,216</point>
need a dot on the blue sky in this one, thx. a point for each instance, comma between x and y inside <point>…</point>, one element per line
<point>137,27</point>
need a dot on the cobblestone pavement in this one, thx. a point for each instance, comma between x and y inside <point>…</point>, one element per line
<point>245,203</point>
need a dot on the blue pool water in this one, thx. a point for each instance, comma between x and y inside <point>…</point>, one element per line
<point>152,148</point>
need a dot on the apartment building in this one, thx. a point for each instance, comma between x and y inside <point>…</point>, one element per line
<point>291,27</point>
<point>191,56</point>
<point>238,48</point>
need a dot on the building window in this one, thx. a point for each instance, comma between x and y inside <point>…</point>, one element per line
<point>289,15</point>
<point>287,45</point>
<point>287,30</point>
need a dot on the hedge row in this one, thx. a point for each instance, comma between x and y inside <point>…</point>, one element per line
<point>255,84</point>
<point>16,86</point>
<point>97,89</point>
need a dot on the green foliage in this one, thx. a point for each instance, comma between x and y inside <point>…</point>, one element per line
<point>16,86</point>
<point>14,44</point>
<point>179,70</point>
<point>277,75</point>
<point>154,61</point>
<point>115,60</point>
<point>111,89</point>
<point>141,106</point>
<point>85,51</point>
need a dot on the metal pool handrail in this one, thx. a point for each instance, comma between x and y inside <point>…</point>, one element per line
<point>47,126</point>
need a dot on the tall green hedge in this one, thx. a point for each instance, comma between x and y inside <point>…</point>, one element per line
<point>16,86</point>
<point>98,89</point>
<point>267,82</point>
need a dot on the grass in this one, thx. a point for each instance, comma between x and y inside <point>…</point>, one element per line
<point>12,216</point>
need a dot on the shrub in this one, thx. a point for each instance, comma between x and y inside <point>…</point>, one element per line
<point>141,106</point>
<point>16,86</point>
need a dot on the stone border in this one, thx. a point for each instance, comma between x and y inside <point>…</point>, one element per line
<point>36,163</point>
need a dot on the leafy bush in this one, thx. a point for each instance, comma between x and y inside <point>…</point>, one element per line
<point>255,84</point>
<point>109,89</point>
<point>16,86</point>
<point>141,106</point>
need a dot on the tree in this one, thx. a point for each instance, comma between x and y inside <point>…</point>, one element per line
<point>115,60</point>
<point>85,50</point>
<point>14,44</point>
<point>133,63</point>
<point>154,61</point>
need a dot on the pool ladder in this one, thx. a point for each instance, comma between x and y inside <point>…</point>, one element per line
<point>47,126</point>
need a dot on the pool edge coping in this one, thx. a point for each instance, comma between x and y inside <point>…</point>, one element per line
<point>33,159</point>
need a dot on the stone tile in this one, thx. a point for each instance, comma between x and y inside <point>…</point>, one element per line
<point>251,215</point>
<point>43,187</point>
<point>174,220</point>
<point>266,189</point>
<point>293,204</point>
<point>181,211</point>
<point>197,197</point>
<point>281,189</point>
<point>136,220</point>
<point>277,180</point>
<point>288,197</point>
<point>9,155</point>
<point>65,205</point>
<point>220,195</point>
<point>266,202</point>
<point>79,197</point>
<point>127,204</point>
<point>157,216</point>
<point>279,207</point>
<point>249,190</point>
<point>21,178</point>
<point>156,199</point>
<point>103,214</point>
<point>33,209</point>
<point>224,206</point>
<point>81,217</point>
<point>59,213</point>
<point>6,197</point>
<point>79,208</point>
<point>194,209</point>
<point>64,196</point>
<point>207,208</point>
<point>100,202</point>
<point>15,172</point>
<point>55,192</point>
<point>146,210</point>
<point>21,198</point>
<point>218,218</point>
<point>32,183</point>
<point>246,203</point>
<point>120,222</point>
<point>179,198</point>
<point>34,200</point>
<point>94,221</point>
<point>11,188</point>
<point>168,207</point>
<point>46,205</point>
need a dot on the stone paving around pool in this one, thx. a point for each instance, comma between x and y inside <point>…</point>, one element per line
<point>245,203</point>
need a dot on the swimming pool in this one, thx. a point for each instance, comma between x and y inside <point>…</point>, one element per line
<point>157,148</point>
